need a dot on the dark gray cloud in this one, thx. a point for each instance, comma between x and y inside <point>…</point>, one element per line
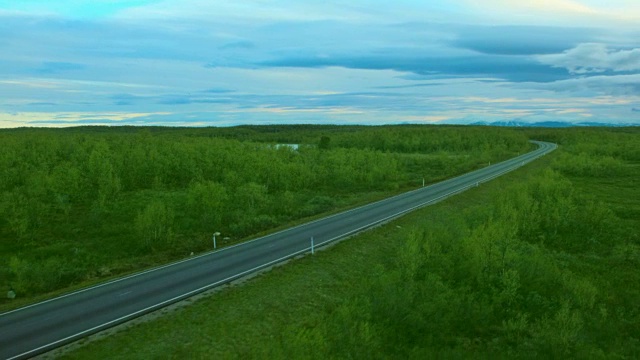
<point>522,40</point>
<point>213,101</point>
<point>125,99</point>
<point>218,91</point>
<point>245,44</point>
<point>612,85</point>
<point>503,52</point>
<point>197,98</point>
<point>512,68</point>
<point>175,100</point>
<point>109,39</point>
<point>420,48</point>
<point>55,67</point>
<point>412,85</point>
<point>42,104</point>
<point>80,122</point>
<point>211,96</point>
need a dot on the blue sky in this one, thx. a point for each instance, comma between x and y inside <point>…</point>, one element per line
<point>214,63</point>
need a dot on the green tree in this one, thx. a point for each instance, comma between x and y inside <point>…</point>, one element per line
<point>325,143</point>
<point>65,183</point>
<point>102,175</point>
<point>24,213</point>
<point>208,202</point>
<point>154,225</point>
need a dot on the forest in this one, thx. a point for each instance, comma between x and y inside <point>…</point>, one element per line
<point>539,263</point>
<point>82,205</point>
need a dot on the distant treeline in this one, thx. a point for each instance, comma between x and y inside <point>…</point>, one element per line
<point>80,203</point>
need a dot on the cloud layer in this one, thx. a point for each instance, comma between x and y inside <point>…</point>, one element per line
<point>594,58</point>
<point>198,63</point>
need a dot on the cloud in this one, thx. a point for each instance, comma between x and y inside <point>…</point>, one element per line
<point>594,12</point>
<point>613,85</point>
<point>312,61</point>
<point>54,67</point>
<point>72,9</point>
<point>521,40</point>
<point>175,100</point>
<point>511,68</point>
<point>211,96</point>
<point>73,118</point>
<point>548,6</point>
<point>42,104</point>
<point>244,44</point>
<point>240,11</point>
<point>124,99</point>
<point>594,58</point>
<point>218,91</point>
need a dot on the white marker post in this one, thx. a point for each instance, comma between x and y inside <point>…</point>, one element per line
<point>312,249</point>
<point>214,239</point>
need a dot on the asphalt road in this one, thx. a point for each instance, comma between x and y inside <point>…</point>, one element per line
<point>38,328</point>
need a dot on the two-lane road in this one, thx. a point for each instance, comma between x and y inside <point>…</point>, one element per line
<point>41,327</point>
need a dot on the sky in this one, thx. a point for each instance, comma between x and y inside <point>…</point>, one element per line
<point>225,63</point>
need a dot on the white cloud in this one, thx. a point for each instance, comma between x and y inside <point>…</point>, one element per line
<point>8,120</point>
<point>594,58</point>
<point>620,86</point>
<point>243,10</point>
<point>259,12</point>
<point>613,13</point>
<point>556,6</point>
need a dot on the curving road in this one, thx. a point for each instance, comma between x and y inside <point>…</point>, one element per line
<point>38,328</point>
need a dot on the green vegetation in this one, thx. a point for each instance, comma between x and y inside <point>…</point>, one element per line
<point>540,263</point>
<point>81,205</point>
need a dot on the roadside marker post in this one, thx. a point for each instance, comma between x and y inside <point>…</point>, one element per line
<point>214,239</point>
<point>312,249</point>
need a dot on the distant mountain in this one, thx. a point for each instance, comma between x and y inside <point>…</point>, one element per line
<point>548,124</point>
